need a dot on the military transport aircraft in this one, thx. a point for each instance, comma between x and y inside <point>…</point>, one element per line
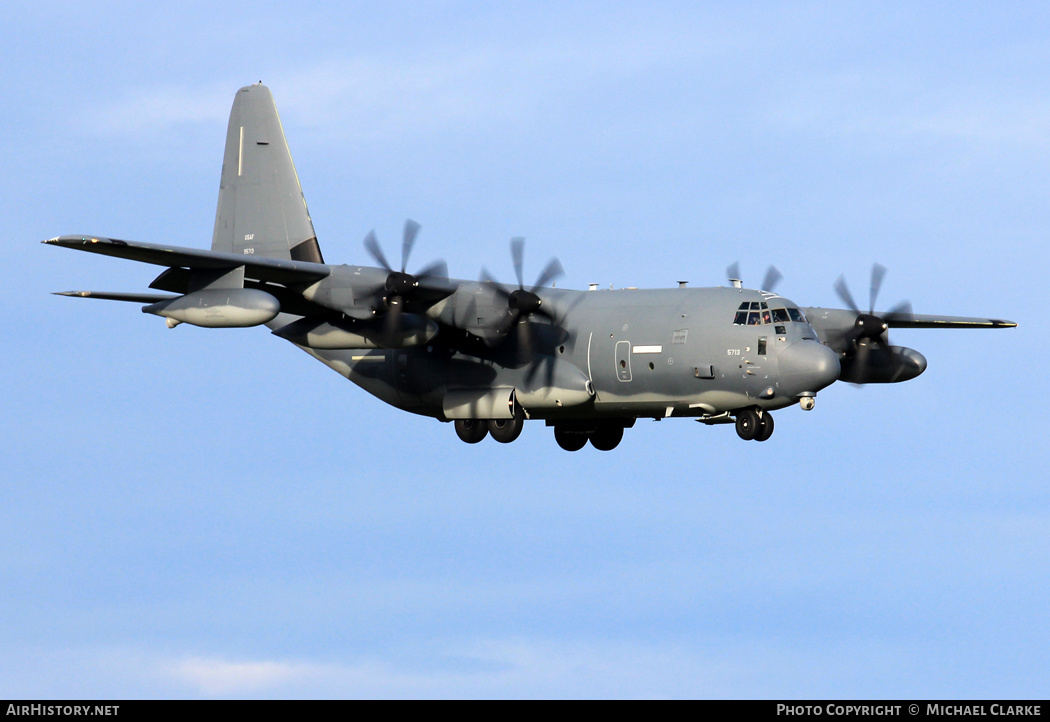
<point>488,356</point>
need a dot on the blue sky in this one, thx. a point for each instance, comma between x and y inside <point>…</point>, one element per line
<point>195,513</point>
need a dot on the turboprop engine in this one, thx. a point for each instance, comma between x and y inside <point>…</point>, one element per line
<point>874,364</point>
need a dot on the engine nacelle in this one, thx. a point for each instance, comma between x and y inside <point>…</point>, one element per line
<point>336,292</point>
<point>871,364</point>
<point>411,330</point>
<point>219,308</point>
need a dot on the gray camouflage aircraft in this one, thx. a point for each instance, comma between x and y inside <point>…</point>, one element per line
<point>488,356</point>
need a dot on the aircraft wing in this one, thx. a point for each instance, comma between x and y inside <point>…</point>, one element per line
<point>274,270</point>
<point>918,320</point>
<point>836,326</point>
<point>841,320</point>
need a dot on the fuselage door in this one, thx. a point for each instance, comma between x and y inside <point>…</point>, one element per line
<point>755,374</point>
<point>623,360</point>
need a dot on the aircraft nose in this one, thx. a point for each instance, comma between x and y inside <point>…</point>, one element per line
<point>807,366</point>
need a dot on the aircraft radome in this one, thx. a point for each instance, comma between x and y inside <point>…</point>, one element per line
<point>488,356</point>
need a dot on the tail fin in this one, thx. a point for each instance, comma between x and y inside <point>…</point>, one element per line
<point>261,210</point>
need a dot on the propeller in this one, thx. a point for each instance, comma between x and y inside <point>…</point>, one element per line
<point>400,285</point>
<point>522,302</point>
<point>772,278</point>
<point>869,328</point>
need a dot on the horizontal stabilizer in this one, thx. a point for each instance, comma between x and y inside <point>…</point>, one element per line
<point>256,267</point>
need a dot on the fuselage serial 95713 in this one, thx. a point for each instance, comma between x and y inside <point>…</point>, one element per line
<point>489,356</point>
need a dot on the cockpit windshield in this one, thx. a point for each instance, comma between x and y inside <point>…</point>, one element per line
<point>758,313</point>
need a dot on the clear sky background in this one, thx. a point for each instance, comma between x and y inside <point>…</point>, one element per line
<point>201,513</point>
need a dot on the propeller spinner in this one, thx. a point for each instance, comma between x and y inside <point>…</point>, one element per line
<point>870,329</point>
<point>401,285</point>
<point>522,302</point>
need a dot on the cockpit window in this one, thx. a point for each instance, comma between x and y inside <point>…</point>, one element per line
<point>755,313</point>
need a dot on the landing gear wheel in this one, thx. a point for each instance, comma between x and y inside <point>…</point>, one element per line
<point>568,440</point>
<point>506,430</point>
<point>471,430</point>
<point>606,437</point>
<point>765,428</point>
<point>747,423</point>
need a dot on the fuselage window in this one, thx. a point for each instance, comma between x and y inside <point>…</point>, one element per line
<point>796,315</point>
<point>780,315</point>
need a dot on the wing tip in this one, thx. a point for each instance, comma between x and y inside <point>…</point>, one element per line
<point>82,240</point>
<point>69,240</point>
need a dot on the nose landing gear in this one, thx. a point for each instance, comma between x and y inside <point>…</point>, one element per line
<point>752,424</point>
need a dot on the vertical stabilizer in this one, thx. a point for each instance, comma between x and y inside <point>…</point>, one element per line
<point>261,210</point>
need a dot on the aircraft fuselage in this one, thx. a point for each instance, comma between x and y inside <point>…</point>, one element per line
<point>642,353</point>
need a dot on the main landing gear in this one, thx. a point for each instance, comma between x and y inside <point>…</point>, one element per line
<point>502,430</point>
<point>752,424</point>
<point>604,436</point>
<point>571,436</point>
<point>471,430</point>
